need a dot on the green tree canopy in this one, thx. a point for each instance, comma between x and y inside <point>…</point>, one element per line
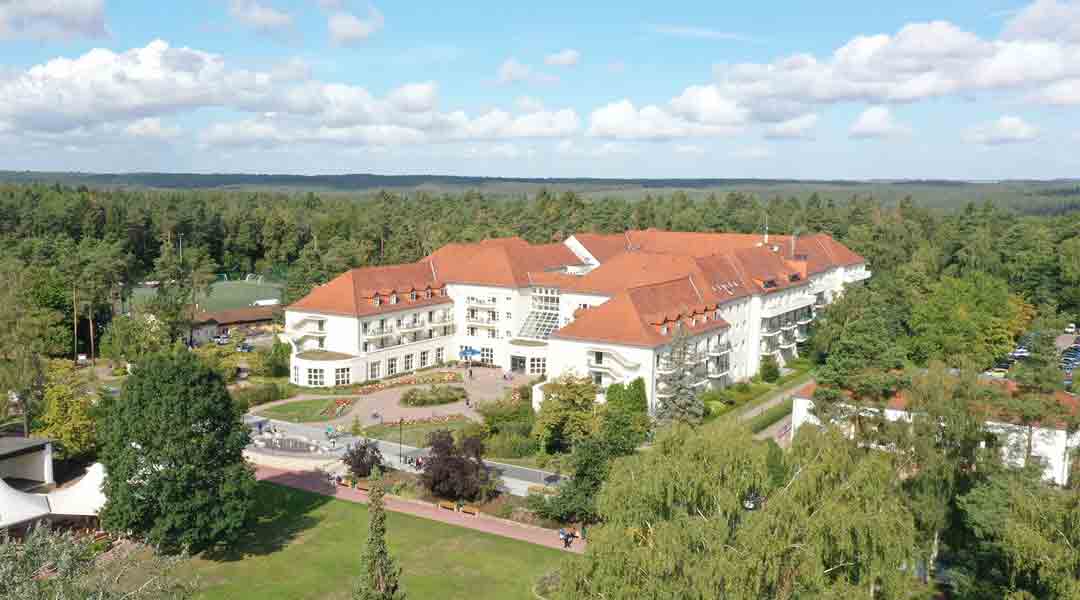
<point>172,448</point>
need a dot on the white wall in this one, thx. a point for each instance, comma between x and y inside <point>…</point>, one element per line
<point>35,466</point>
<point>1049,445</point>
<point>621,364</point>
<point>342,334</point>
<point>507,300</point>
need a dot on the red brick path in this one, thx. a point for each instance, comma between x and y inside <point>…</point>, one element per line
<point>314,481</point>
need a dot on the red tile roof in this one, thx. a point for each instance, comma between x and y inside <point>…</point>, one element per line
<point>502,262</point>
<point>353,293</point>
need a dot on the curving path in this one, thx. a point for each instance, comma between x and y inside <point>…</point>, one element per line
<point>487,385</point>
<point>314,481</point>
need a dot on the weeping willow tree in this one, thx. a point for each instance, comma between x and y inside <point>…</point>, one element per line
<point>714,515</point>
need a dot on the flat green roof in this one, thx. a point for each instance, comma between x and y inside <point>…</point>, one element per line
<point>530,343</point>
<point>323,355</point>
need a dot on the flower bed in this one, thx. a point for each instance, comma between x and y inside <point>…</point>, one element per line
<point>436,395</point>
<point>337,407</point>
<point>438,377</point>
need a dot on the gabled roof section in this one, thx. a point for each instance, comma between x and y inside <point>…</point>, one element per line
<point>502,262</point>
<point>641,315</point>
<point>353,293</point>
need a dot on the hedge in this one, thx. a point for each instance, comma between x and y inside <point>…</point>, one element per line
<point>434,396</point>
<point>770,416</point>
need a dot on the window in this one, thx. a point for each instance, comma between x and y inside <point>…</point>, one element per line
<point>408,362</point>
<point>438,355</point>
<point>320,326</point>
<point>431,315</point>
<point>427,293</point>
<point>412,295</point>
<point>373,370</point>
<point>321,342</point>
<point>509,316</point>
<point>598,378</point>
<point>393,299</point>
<point>399,322</point>
<point>424,358</point>
<point>296,375</point>
<point>342,376</point>
<point>598,358</point>
<point>487,356</point>
<point>364,327</point>
<point>472,331</point>
<point>582,306</point>
<point>315,377</point>
<point>376,301</point>
<point>491,334</point>
<point>367,346</point>
<point>509,334</point>
<point>391,367</point>
<point>537,366</point>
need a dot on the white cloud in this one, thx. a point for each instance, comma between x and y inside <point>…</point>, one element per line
<point>877,122</point>
<point>563,58</point>
<point>503,151</point>
<point>705,104</point>
<point>1046,19</point>
<point>1005,130</point>
<point>415,97</point>
<point>622,120</point>
<point>293,69</point>
<point>801,127</point>
<point>151,127</point>
<point>513,71</point>
<point>52,19</point>
<point>346,28</point>
<point>698,33</point>
<point>260,16</point>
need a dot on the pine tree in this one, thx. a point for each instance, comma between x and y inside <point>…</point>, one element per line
<point>381,579</point>
<point>681,401</point>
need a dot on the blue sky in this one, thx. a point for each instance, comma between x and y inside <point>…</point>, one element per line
<point>964,89</point>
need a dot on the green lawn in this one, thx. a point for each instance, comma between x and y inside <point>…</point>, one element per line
<point>225,294</point>
<point>412,435</point>
<point>308,546</point>
<point>300,411</point>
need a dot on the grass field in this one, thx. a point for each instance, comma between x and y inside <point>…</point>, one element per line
<point>307,546</point>
<point>224,295</point>
<point>300,411</point>
<point>412,435</point>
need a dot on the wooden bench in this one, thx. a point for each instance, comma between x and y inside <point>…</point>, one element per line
<point>448,506</point>
<point>470,510</point>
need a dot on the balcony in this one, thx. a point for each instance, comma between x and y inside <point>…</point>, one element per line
<point>769,332</point>
<point>474,301</point>
<point>787,343</point>
<point>412,324</point>
<point>481,320</point>
<point>377,331</point>
<point>805,319</point>
<point>441,319</point>
<point>720,349</point>
<point>788,326</point>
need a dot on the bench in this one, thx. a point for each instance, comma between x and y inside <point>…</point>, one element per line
<point>448,506</point>
<point>470,510</point>
<point>363,486</point>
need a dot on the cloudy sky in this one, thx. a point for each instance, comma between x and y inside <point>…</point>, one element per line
<point>973,89</point>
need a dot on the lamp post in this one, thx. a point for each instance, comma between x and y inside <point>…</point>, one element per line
<point>401,426</point>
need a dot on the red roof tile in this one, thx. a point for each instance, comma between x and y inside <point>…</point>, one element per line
<point>353,293</point>
<point>502,262</point>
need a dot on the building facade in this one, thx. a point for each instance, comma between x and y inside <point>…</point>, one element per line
<point>603,306</point>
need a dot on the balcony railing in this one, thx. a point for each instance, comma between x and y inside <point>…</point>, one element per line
<point>384,330</point>
<point>413,324</point>
<point>787,326</point>
<point>441,319</point>
<point>719,349</point>
<point>787,343</point>
<point>480,301</point>
<point>719,372</point>
<point>804,319</point>
<point>770,332</point>
<point>481,320</point>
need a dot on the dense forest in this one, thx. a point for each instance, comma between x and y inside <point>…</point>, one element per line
<point>64,239</point>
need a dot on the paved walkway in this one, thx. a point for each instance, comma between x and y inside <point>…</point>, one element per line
<point>486,385</point>
<point>314,481</point>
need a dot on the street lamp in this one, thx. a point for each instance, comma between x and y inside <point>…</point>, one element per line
<point>401,426</point>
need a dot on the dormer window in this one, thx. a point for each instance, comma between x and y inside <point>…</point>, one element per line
<point>794,277</point>
<point>663,330</point>
<point>393,299</point>
<point>769,284</point>
<point>412,295</point>
<point>376,300</point>
<point>427,294</point>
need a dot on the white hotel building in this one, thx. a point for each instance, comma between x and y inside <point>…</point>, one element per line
<point>605,306</point>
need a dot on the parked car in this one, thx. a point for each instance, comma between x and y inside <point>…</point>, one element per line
<point>1021,353</point>
<point>243,347</point>
<point>221,340</point>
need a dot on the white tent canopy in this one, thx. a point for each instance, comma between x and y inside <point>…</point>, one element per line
<point>84,499</point>
<point>19,507</point>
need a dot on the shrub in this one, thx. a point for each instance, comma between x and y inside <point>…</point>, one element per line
<point>508,416</point>
<point>255,395</point>
<point>742,387</point>
<point>770,370</point>
<point>770,416</point>
<point>456,471</point>
<point>507,444</point>
<point>363,457</point>
<point>434,396</point>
